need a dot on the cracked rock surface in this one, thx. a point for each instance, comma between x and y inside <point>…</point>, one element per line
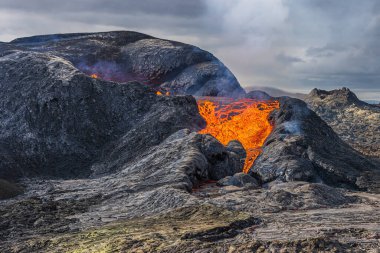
<point>125,56</point>
<point>302,147</point>
<point>355,121</point>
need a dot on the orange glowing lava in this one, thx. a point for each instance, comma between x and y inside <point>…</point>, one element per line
<point>159,93</point>
<point>245,120</point>
<point>94,76</point>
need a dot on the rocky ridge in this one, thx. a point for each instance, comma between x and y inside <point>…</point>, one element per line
<point>127,56</point>
<point>303,147</point>
<point>355,121</point>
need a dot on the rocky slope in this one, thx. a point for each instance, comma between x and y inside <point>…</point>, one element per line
<point>125,56</point>
<point>303,147</point>
<point>355,121</point>
<point>56,121</point>
<point>112,167</point>
<point>275,92</point>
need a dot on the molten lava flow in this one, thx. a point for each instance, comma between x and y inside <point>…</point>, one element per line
<point>94,76</point>
<point>159,93</point>
<point>245,120</point>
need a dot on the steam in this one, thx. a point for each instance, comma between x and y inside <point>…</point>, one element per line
<point>293,127</point>
<point>109,71</point>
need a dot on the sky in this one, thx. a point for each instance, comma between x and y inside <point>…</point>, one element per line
<point>294,45</point>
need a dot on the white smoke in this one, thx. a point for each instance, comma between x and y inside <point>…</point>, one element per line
<point>293,127</point>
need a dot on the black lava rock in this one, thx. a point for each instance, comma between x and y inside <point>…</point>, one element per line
<point>302,147</point>
<point>130,56</point>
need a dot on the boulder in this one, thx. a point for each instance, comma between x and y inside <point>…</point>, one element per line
<point>223,161</point>
<point>240,180</point>
<point>237,155</point>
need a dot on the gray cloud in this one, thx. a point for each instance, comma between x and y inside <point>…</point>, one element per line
<point>287,59</point>
<point>289,44</point>
<point>325,51</point>
<point>156,7</point>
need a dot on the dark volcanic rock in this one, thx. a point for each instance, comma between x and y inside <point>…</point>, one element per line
<point>303,147</point>
<point>237,155</point>
<point>259,95</point>
<point>56,121</point>
<point>224,161</point>
<point>157,180</point>
<point>355,121</point>
<point>335,98</point>
<point>9,190</point>
<point>299,195</point>
<point>239,179</point>
<point>129,56</point>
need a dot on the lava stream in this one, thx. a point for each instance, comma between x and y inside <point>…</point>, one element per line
<point>245,120</point>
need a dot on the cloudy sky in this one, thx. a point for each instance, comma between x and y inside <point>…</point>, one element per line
<point>294,45</point>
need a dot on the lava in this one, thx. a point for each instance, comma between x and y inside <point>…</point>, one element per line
<point>159,93</point>
<point>245,120</point>
<point>94,76</point>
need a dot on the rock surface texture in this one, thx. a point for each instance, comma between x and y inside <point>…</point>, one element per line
<point>355,121</point>
<point>303,147</point>
<point>56,121</point>
<point>125,56</point>
<point>105,165</point>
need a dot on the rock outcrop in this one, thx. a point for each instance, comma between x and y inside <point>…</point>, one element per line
<point>240,180</point>
<point>303,147</point>
<point>56,121</point>
<point>355,121</point>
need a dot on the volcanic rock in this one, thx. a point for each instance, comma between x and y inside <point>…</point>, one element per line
<point>303,147</point>
<point>224,161</point>
<point>298,195</point>
<point>9,190</point>
<point>237,155</point>
<point>275,92</point>
<point>240,180</point>
<point>355,121</point>
<point>258,95</point>
<point>56,121</point>
<point>335,98</point>
<point>130,56</point>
